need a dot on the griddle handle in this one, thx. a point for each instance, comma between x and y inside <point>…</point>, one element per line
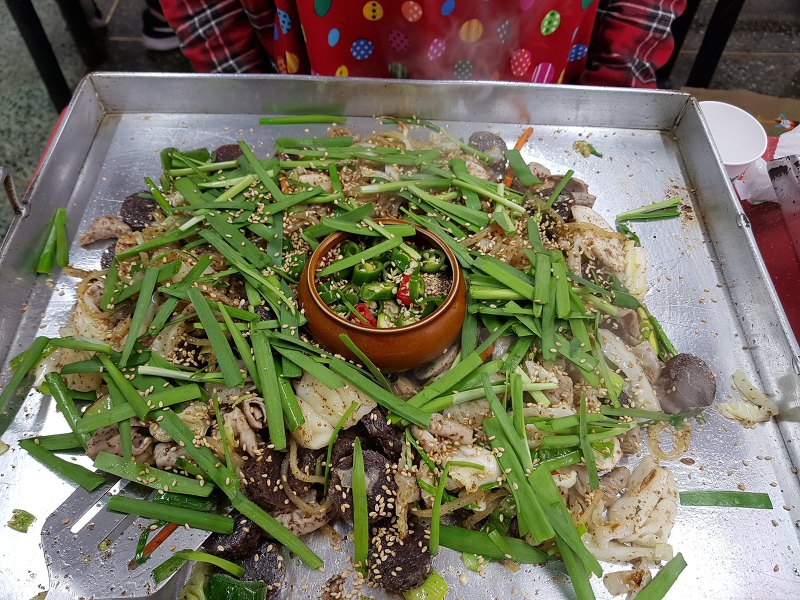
<point>8,184</point>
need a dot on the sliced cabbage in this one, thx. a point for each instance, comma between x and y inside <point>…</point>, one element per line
<point>332,404</point>
<point>315,432</point>
<point>58,358</point>
<point>471,479</point>
<point>606,462</point>
<point>756,407</point>
<point>323,407</point>
<point>746,413</point>
<point>584,214</point>
<point>635,275</point>
<point>638,386</point>
<point>752,394</point>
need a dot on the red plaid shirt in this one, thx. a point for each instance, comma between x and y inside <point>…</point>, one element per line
<point>610,42</point>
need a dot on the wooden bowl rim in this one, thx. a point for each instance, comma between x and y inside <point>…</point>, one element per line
<point>340,236</point>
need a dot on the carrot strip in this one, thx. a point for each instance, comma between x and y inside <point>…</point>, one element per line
<point>159,538</point>
<point>523,139</point>
<point>284,185</point>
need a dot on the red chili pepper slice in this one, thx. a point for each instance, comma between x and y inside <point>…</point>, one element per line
<point>365,312</point>
<point>403,295</point>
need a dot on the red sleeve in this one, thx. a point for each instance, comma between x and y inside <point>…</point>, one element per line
<point>218,37</point>
<point>631,40</point>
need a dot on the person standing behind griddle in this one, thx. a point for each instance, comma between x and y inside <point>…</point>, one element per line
<point>593,42</point>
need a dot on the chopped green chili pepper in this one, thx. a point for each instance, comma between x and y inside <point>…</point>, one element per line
<point>379,290</point>
<point>348,249</point>
<point>326,293</point>
<point>367,272</point>
<point>400,259</point>
<point>348,294</point>
<point>431,304</point>
<point>384,321</point>
<point>416,288</point>
<point>433,261</point>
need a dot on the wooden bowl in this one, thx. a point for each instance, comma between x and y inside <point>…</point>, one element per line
<point>397,348</point>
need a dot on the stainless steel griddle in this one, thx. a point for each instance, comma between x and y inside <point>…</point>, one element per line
<point>707,285</point>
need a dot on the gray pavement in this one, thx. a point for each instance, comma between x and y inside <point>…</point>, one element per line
<point>762,54</point>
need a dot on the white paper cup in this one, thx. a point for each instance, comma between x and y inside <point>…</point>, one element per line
<point>739,136</point>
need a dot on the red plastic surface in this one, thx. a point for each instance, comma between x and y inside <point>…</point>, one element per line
<point>775,244</point>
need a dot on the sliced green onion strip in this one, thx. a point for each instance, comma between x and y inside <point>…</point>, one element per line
<point>172,564</point>
<point>110,287</point>
<point>130,394</point>
<point>193,502</point>
<point>368,253</point>
<point>139,313</point>
<point>559,188</point>
<point>167,271</point>
<point>517,407</point>
<point>521,168</point>
<point>58,442</point>
<point>479,542</point>
<point>576,570</point>
<point>202,168</point>
<point>170,373</point>
<point>292,414</point>
<point>172,514</point>
<point>268,523</point>
<point>350,410</point>
<point>586,447</point>
<point>270,391</point>
<point>365,360</point>
<point>219,343</point>
<point>498,540</point>
<point>513,436</point>
<point>434,588</point>
<point>168,238</point>
<point>44,264</point>
<point>65,404</point>
<point>28,361</point>
<point>319,371</point>
<point>360,510</point>
<point>458,373</point>
<point>666,209</point>
<point>158,195</point>
<point>62,245</point>
<point>242,345</point>
<point>117,399</point>
<point>436,510</point>
<point>726,498</point>
<point>664,579</point>
<point>541,293</point>
<point>223,433</point>
<point>314,142</point>
<point>87,344</point>
<point>531,515</point>
<point>349,218</point>
<point>560,519</point>
<point>150,476</point>
<point>88,480</point>
<point>507,275</point>
<point>228,194</point>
